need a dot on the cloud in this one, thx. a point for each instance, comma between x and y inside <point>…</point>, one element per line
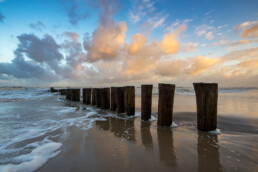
<point>74,36</point>
<point>19,68</point>
<point>223,26</point>
<point>1,17</point>
<point>44,51</point>
<point>202,29</point>
<point>199,64</point>
<point>143,58</point>
<point>141,9</point>
<point>243,25</point>
<point>190,47</point>
<point>75,10</point>
<point>169,44</point>
<point>189,67</point>
<point>251,31</point>
<point>38,26</point>
<point>137,42</point>
<point>170,68</point>
<point>238,43</point>
<point>177,23</point>
<point>154,22</point>
<point>34,58</point>
<point>209,36</point>
<point>106,40</point>
<point>134,17</point>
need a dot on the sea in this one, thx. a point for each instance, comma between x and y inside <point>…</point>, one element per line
<point>30,119</point>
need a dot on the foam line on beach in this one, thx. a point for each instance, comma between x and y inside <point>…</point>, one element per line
<point>41,153</point>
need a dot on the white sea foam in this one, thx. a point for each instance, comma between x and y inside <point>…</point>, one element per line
<point>216,132</point>
<point>89,114</point>
<point>35,159</point>
<point>152,119</point>
<point>66,110</point>
<point>137,114</point>
<point>173,124</point>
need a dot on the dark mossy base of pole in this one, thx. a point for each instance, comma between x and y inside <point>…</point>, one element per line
<point>206,100</point>
<point>52,90</point>
<point>75,95</point>
<point>105,98</point>
<point>98,97</point>
<point>146,101</point>
<point>93,100</point>
<point>120,100</point>
<point>125,97</point>
<point>84,94</point>
<point>62,91</point>
<point>165,106</point>
<point>113,99</point>
<point>68,94</point>
<point>130,100</point>
<point>87,96</point>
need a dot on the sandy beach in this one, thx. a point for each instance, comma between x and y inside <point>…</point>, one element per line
<point>134,145</point>
<point>61,135</point>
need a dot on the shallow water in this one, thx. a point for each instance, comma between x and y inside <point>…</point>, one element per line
<point>35,126</point>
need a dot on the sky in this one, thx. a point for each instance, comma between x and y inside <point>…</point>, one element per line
<point>87,43</point>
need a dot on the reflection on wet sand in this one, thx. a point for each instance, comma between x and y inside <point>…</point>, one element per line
<point>146,135</point>
<point>121,128</point>
<point>166,147</point>
<point>208,153</point>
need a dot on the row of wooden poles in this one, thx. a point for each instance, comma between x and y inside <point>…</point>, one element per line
<point>122,100</point>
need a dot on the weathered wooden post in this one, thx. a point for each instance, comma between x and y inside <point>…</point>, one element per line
<point>105,98</point>
<point>125,97</point>
<point>53,90</point>
<point>93,100</point>
<point>146,101</point>
<point>88,96</point>
<point>113,99</point>
<point>206,100</point>
<point>98,97</point>
<point>165,107</point>
<point>120,100</point>
<point>130,100</point>
<point>76,95</point>
<point>84,94</point>
<point>68,94</point>
<point>72,94</point>
<point>62,91</point>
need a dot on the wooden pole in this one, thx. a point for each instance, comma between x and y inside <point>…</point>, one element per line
<point>120,100</point>
<point>68,94</point>
<point>105,98</point>
<point>130,99</point>
<point>165,107</point>
<point>206,100</point>
<point>93,101</point>
<point>84,94</point>
<point>125,97</point>
<point>113,99</point>
<point>53,90</point>
<point>98,97</point>
<point>72,94</point>
<point>76,95</point>
<point>88,96</point>
<point>62,91</point>
<point>146,101</point>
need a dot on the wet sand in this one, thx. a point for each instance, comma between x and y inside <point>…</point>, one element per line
<point>133,145</point>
